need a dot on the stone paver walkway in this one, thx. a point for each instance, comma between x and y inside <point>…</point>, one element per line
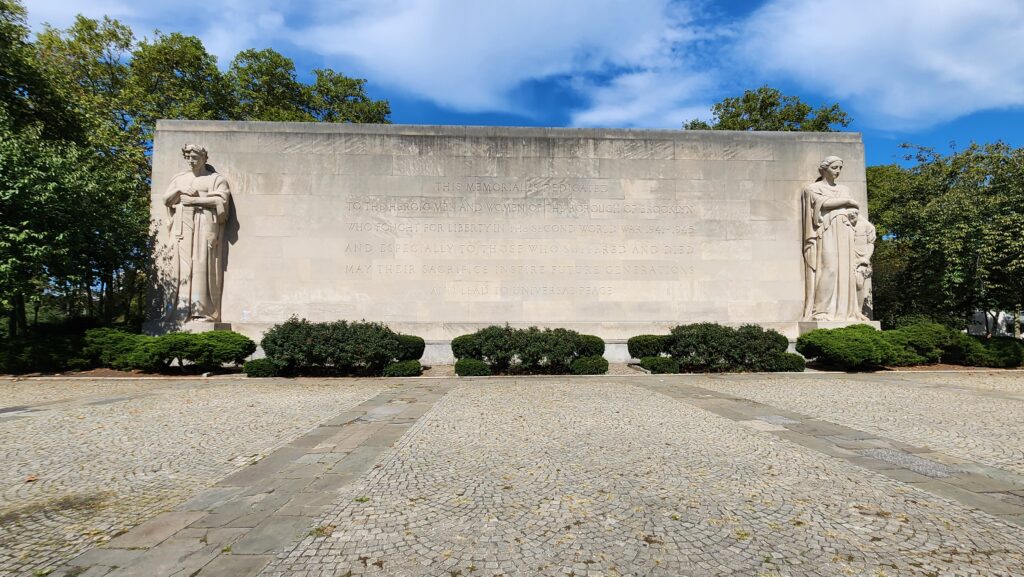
<point>615,475</point>
<point>82,467</point>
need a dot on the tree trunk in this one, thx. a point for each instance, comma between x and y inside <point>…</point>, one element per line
<point>19,321</point>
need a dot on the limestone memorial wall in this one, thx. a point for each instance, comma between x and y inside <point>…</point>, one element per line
<point>440,230</point>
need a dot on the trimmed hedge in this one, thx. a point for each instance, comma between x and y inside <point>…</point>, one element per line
<point>660,365</point>
<point>527,351</point>
<point>714,348</point>
<point>472,368</point>
<point>298,346</point>
<point>207,351</point>
<point>592,365</point>
<point>410,347</point>
<point>860,347</point>
<point>787,363</point>
<point>642,346</point>
<point>410,368</point>
<point>259,368</point>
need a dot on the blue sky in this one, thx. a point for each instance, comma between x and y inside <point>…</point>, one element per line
<point>928,72</point>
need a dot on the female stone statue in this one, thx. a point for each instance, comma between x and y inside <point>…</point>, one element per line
<point>197,204</point>
<point>830,283</point>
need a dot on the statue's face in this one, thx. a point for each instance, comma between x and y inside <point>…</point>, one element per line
<point>195,158</point>
<point>853,215</point>
<point>833,169</point>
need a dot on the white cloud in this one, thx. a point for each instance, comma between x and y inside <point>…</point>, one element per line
<point>904,65</point>
<point>462,54</point>
<point>648,99</point>
<point>470,55</point>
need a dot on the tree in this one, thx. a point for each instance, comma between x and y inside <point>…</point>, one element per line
<point>768,109</point>
<point>949,228</point>
<point>77,112</point>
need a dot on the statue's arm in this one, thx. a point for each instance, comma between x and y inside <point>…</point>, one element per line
<point>834,203</point>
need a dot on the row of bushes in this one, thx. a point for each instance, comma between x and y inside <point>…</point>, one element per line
<point>714,348</point>
<point>122,350</point>
<point>861,347</point>
<point>301,347</point>
<point>532,351</point>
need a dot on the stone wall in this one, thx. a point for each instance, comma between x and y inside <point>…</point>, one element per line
<point>440,230</point>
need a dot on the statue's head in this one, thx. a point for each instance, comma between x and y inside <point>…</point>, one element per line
<point>830,166</point>
<point>194,155</point>
<point>853,214</point>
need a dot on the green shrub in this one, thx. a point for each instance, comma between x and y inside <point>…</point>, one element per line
<point>592,365</point>
<point>466,346</point>
<point>785,363</point>
<point>1007,352</point>
<point>713,348</point>
<point>963,349</point>
<point>104,346</point>
<point>642,346</point>
<point>259,368</point>
<point>856,347</point>
<point>215,348</point>
<point>410,348</point>
<point>924,340</point>
<point>590,346</point>
<point>526,351</point>
<point>339,347</point>
<point>660,365</point>
<point>472,368</point>
<point>757,349</point>
<point>42,353</point>
<point>140,353</point>
<point>410,368</point>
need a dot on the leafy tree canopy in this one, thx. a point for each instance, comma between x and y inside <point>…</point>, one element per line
<point>950,230</point>
<point>78,108</point>
<point>768,109</point>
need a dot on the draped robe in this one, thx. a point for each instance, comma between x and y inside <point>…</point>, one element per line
<point>197,235</point>
<point>830,283</point>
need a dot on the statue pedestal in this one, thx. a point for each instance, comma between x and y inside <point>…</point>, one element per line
<point>198,326</point>
<point>808,326</point>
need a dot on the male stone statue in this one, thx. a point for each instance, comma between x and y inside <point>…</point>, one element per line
<point>863,247</point>
<point>830,285</point>
<point>197,202</point>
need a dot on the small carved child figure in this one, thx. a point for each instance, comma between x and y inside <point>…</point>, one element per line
<point>863,247</point>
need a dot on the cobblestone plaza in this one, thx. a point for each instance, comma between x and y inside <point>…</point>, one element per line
<point>906,473</point>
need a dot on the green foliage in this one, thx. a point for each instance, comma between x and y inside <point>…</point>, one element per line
<point>410,347</point>
<point>768,109</point>
<point>856,347</point>
<point>660,365</point>
<point>949,241</point>
<point>860,347</point>
<point>713,348</point>
<point>642,346</point>
<point>589,346</point>
<point>925,340</point>
<point>466,347</point>
<point>785,363</point>
<point>260,368</point>
<point>207,351</point>
<point>340,347</point>
<point>592,365</point>
<point>77,111</point>
<point>468,367</point>
<point>527,351</point>
<point>45,349</point>
<point>410,368</point>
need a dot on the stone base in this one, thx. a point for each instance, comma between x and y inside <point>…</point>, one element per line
<point>808,326</point>
<point>198,326</point>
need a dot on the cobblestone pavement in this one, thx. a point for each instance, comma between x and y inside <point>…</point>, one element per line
<point>78,470</point>
<point>597,477</point>
<point>966,418</point>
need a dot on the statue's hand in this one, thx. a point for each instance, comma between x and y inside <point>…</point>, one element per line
<point>188,200</point>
